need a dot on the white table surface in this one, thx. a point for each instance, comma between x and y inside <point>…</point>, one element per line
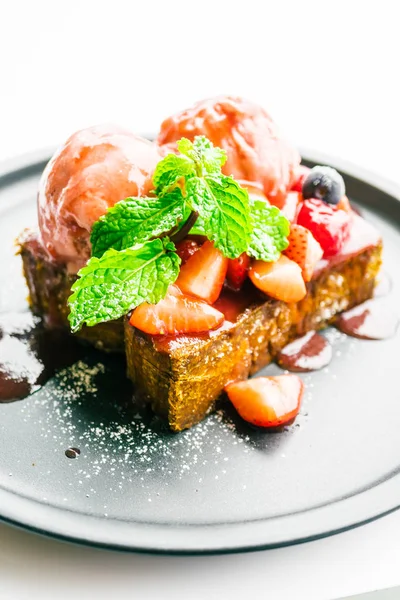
<point>328,72</point>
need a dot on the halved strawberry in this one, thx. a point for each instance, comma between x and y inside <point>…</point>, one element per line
<point>290,205</point>
<point>301,173</point>
<point>238,269</point>
<point>281,279</point>
<point>186,248</point>
<point>267,402</point>
<point>204,273</point>
<point>176,313</point>
<point>304,250</point>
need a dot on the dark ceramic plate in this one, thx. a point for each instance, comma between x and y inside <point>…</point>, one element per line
<point>219,487</point>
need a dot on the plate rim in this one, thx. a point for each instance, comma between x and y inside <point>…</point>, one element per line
<point>185,539</point>
<point>213,539</point>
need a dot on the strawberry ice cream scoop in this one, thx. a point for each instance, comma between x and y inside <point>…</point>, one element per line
<point>95,168</point>
<point>256,151</point>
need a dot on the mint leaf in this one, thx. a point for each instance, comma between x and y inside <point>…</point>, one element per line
<point>208,159</point>
<point>270,231</point>
<point>185,147</point>
<point>136,220</point>
<point>198,227</point>
<point>224,209</point>
<point>170,170</point>
<point>110,286</point>
<point>220,202</point>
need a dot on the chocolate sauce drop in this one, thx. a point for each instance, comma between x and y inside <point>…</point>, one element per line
<point>13,386</point>
<point>30,354</point>
<point>371,320</point>
<point>72,452</point>
<point>308,353</point>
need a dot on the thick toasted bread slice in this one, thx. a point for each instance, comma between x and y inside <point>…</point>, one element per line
<point>182,377</point>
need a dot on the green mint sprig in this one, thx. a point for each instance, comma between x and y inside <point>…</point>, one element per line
<point>136,220</point>
<point>134,259</point>
<point>219,201</point>
<point>170,171</point>
<point>188,184</point>
<point>110,286</point>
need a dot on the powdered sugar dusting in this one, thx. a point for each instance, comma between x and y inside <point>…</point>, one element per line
<point>128,446</point>
<point>127,455</point>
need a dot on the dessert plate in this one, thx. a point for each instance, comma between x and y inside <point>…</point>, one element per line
<point>219,487</point>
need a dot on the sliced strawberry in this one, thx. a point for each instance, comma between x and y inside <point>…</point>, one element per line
<point>290,205</point>
<point>176,313</point>
<point>304,250</point>
<point>186,248</point>
<point>281,279</point>
<point>238,270</point>
<point>329,225</point>
<point>267,402</point>
<point>301,173</point>
<point>204,273</point>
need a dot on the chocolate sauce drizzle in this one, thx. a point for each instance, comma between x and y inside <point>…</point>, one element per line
<point>30,354</point>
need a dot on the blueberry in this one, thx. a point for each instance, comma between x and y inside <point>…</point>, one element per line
<point>325,184</point>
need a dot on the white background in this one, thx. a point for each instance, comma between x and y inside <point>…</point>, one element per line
<point>329,74</point>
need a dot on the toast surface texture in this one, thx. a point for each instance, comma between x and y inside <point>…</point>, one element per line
<point>49,285</point>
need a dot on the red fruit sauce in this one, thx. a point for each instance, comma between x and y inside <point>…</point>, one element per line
<point>308,353</point>
<point>369,321</point>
